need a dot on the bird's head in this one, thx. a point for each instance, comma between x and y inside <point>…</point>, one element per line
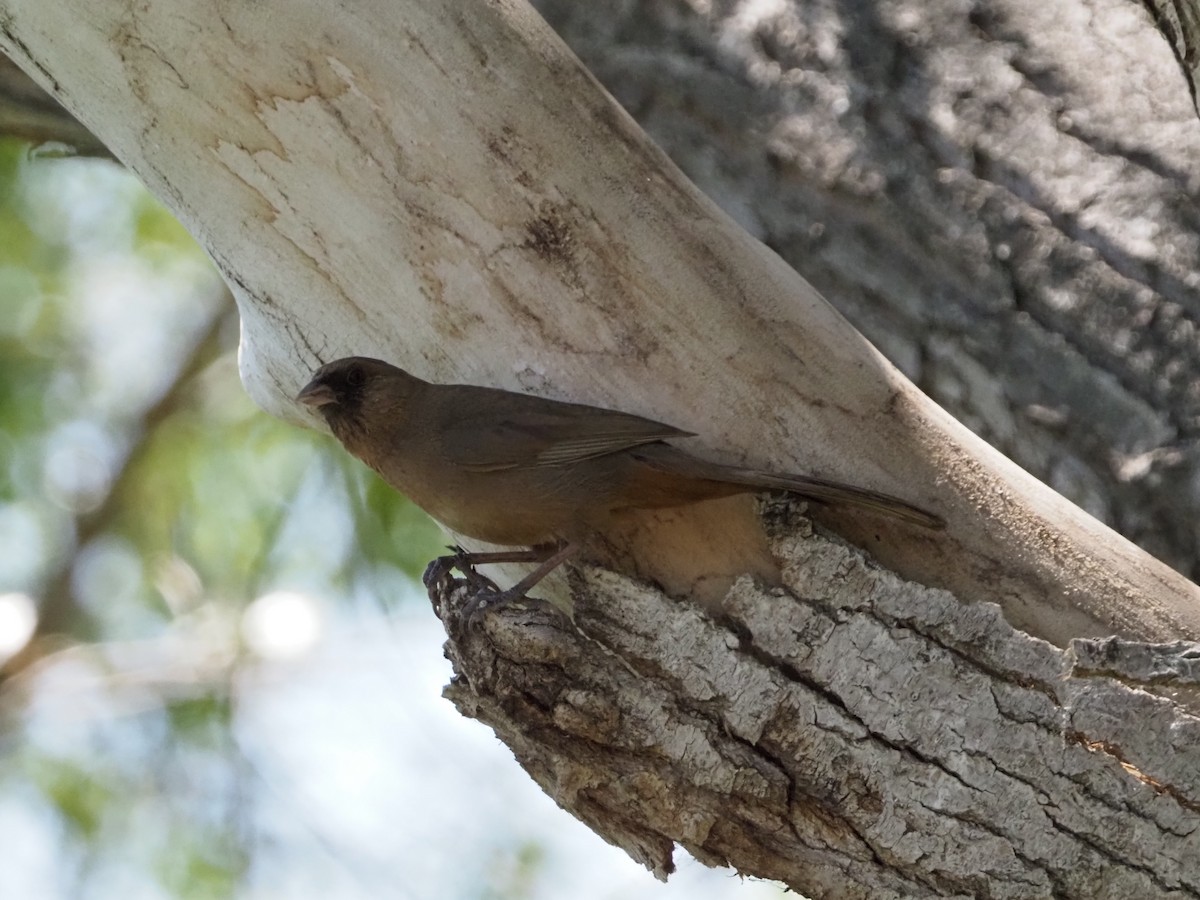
<point>344,390</point>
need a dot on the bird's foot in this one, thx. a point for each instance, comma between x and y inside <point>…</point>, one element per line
<point>440,584</point>
<point>484,593</point>
<point>480,602</point>
<point>436,576</point>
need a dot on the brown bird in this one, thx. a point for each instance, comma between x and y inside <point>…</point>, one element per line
<point>519,470</point>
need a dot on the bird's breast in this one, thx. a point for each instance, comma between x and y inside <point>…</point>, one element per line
<point>511,507</point>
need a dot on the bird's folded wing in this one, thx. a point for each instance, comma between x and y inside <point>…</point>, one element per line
<point>556,437</point>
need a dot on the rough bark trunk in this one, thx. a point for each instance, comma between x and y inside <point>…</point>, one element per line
<point>447,189</point>
<point>1002,197</point>
<point>852,735</point>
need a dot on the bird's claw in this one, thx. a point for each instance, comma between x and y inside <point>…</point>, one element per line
<point>437,574</point>
<point>476,606</point>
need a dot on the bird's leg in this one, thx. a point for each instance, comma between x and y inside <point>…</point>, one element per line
<point>482,558</point>
<point>525,585</point>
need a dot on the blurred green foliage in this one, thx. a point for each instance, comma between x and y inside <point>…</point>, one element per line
<point>81,795</point>
<point>514,876</point>
<point>144,504</point>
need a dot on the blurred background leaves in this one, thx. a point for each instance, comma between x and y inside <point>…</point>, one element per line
<point>149,514</point>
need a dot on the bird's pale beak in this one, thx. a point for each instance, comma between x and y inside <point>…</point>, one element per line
<point>316,394</point>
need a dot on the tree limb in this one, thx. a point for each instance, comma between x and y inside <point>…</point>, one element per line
<point>658,284</point>
<point>849,734</point>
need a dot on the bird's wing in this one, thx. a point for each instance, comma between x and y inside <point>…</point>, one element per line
<point>546,433</point>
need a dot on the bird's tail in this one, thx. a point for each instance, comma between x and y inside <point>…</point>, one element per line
<point>836,494</point>
<point>667,458</point>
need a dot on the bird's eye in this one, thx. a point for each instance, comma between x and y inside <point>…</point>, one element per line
<point>355,377</point>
